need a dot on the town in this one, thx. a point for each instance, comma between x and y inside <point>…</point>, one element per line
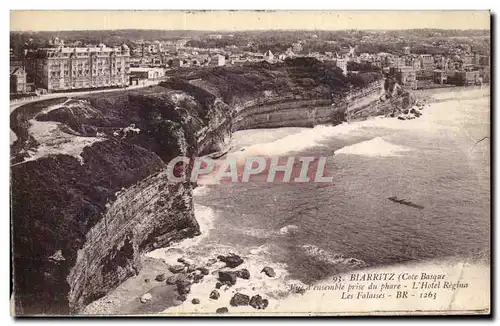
<point>44,63</point>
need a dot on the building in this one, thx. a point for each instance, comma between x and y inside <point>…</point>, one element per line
<point>269,56</point>
<point>485,75</point>
<point>468,59</point>
<point>17,80</point>
<point>477,59</point>
<point>399,62</point>
<point>342,64</point>
<point>466,78</point>
<point>214,36</point>
<point>16,62</point>
<point>405,76</point>
<point>57,69</point>
<point>427,62</point>
<point>147,73</point>
<point>289,53</point>
<point>414,62</point>
<point>443,63</point>
<point>297,47</point>
<point>217,60</point>
<point>180,62</point>
<point>440,76</point>
<point>407,50</point>
<point>484,60</point>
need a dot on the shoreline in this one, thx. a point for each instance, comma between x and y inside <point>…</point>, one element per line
<point>164,296</point>
<point>164,302</point>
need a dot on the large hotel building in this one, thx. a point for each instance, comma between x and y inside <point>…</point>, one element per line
<point>57,69</point>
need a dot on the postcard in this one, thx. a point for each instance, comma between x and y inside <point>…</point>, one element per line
<point>250,163</point>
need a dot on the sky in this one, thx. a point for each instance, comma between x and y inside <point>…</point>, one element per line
<point>53,20</point>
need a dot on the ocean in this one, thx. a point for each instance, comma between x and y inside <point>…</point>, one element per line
<point>309,232</point>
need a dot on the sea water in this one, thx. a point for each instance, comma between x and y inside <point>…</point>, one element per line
<point>308,232</point>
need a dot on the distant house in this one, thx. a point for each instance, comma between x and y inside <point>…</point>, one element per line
<point>468,59</point>
<point>237,61</point>
<point>427,61</point>
<point>138,74</point>
<point>484,60</point>
<point>406,76</point>
<point>399,62</point>
<point>16,62</point>
<point>440,76</point>
<point>17,80</point>
<point>466,78</point>
<point>289,53</point>
<point>217,60</point>
<point>297,47</point>
<point>179,62</point>
<point>269,56</point>
<point>342,64</point>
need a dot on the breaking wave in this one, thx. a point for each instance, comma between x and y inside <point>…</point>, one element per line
<point>376,147</point>
<point>332,258</point>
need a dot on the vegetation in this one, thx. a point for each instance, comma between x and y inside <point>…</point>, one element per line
<point>276,41</point>
<point>302,76</point>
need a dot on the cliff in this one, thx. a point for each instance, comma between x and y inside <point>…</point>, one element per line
<point>89,192</point>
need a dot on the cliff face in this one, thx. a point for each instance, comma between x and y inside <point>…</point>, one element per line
<point>89,189</point>
<point>82,213</point>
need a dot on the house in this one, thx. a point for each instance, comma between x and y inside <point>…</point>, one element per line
<point>466,78</point>
<point>17,80</point>
<point>427,61</point>
<point>146,73</point>
<point>468,59</point>
<point>485,75</point>
<point>179,62</point>
<point>289,53</point>
<point>297,47</point>
<point>218,60</point>
<point>282,56</point>
<point>342,64</point>
<point>237,61</point>
<point>399,62</point>
<point>440,76</point>
<point>405,76</point>
<point>414,62</point>
<point>484,60</point>
<point>269,56</point>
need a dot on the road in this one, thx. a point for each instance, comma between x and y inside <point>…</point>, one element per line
<point>15,104</point>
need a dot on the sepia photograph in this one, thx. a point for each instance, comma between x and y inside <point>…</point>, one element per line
<point>250,163</point>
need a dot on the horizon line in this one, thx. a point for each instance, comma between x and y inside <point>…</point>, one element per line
<point>253,30</point>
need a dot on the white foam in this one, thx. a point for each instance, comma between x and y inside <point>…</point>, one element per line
<point>205,217</point>
<point>334,259</point>
<point>200,191</point>
<point>306,138</point>
<point>258,283</point>
<point>376,147</point>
